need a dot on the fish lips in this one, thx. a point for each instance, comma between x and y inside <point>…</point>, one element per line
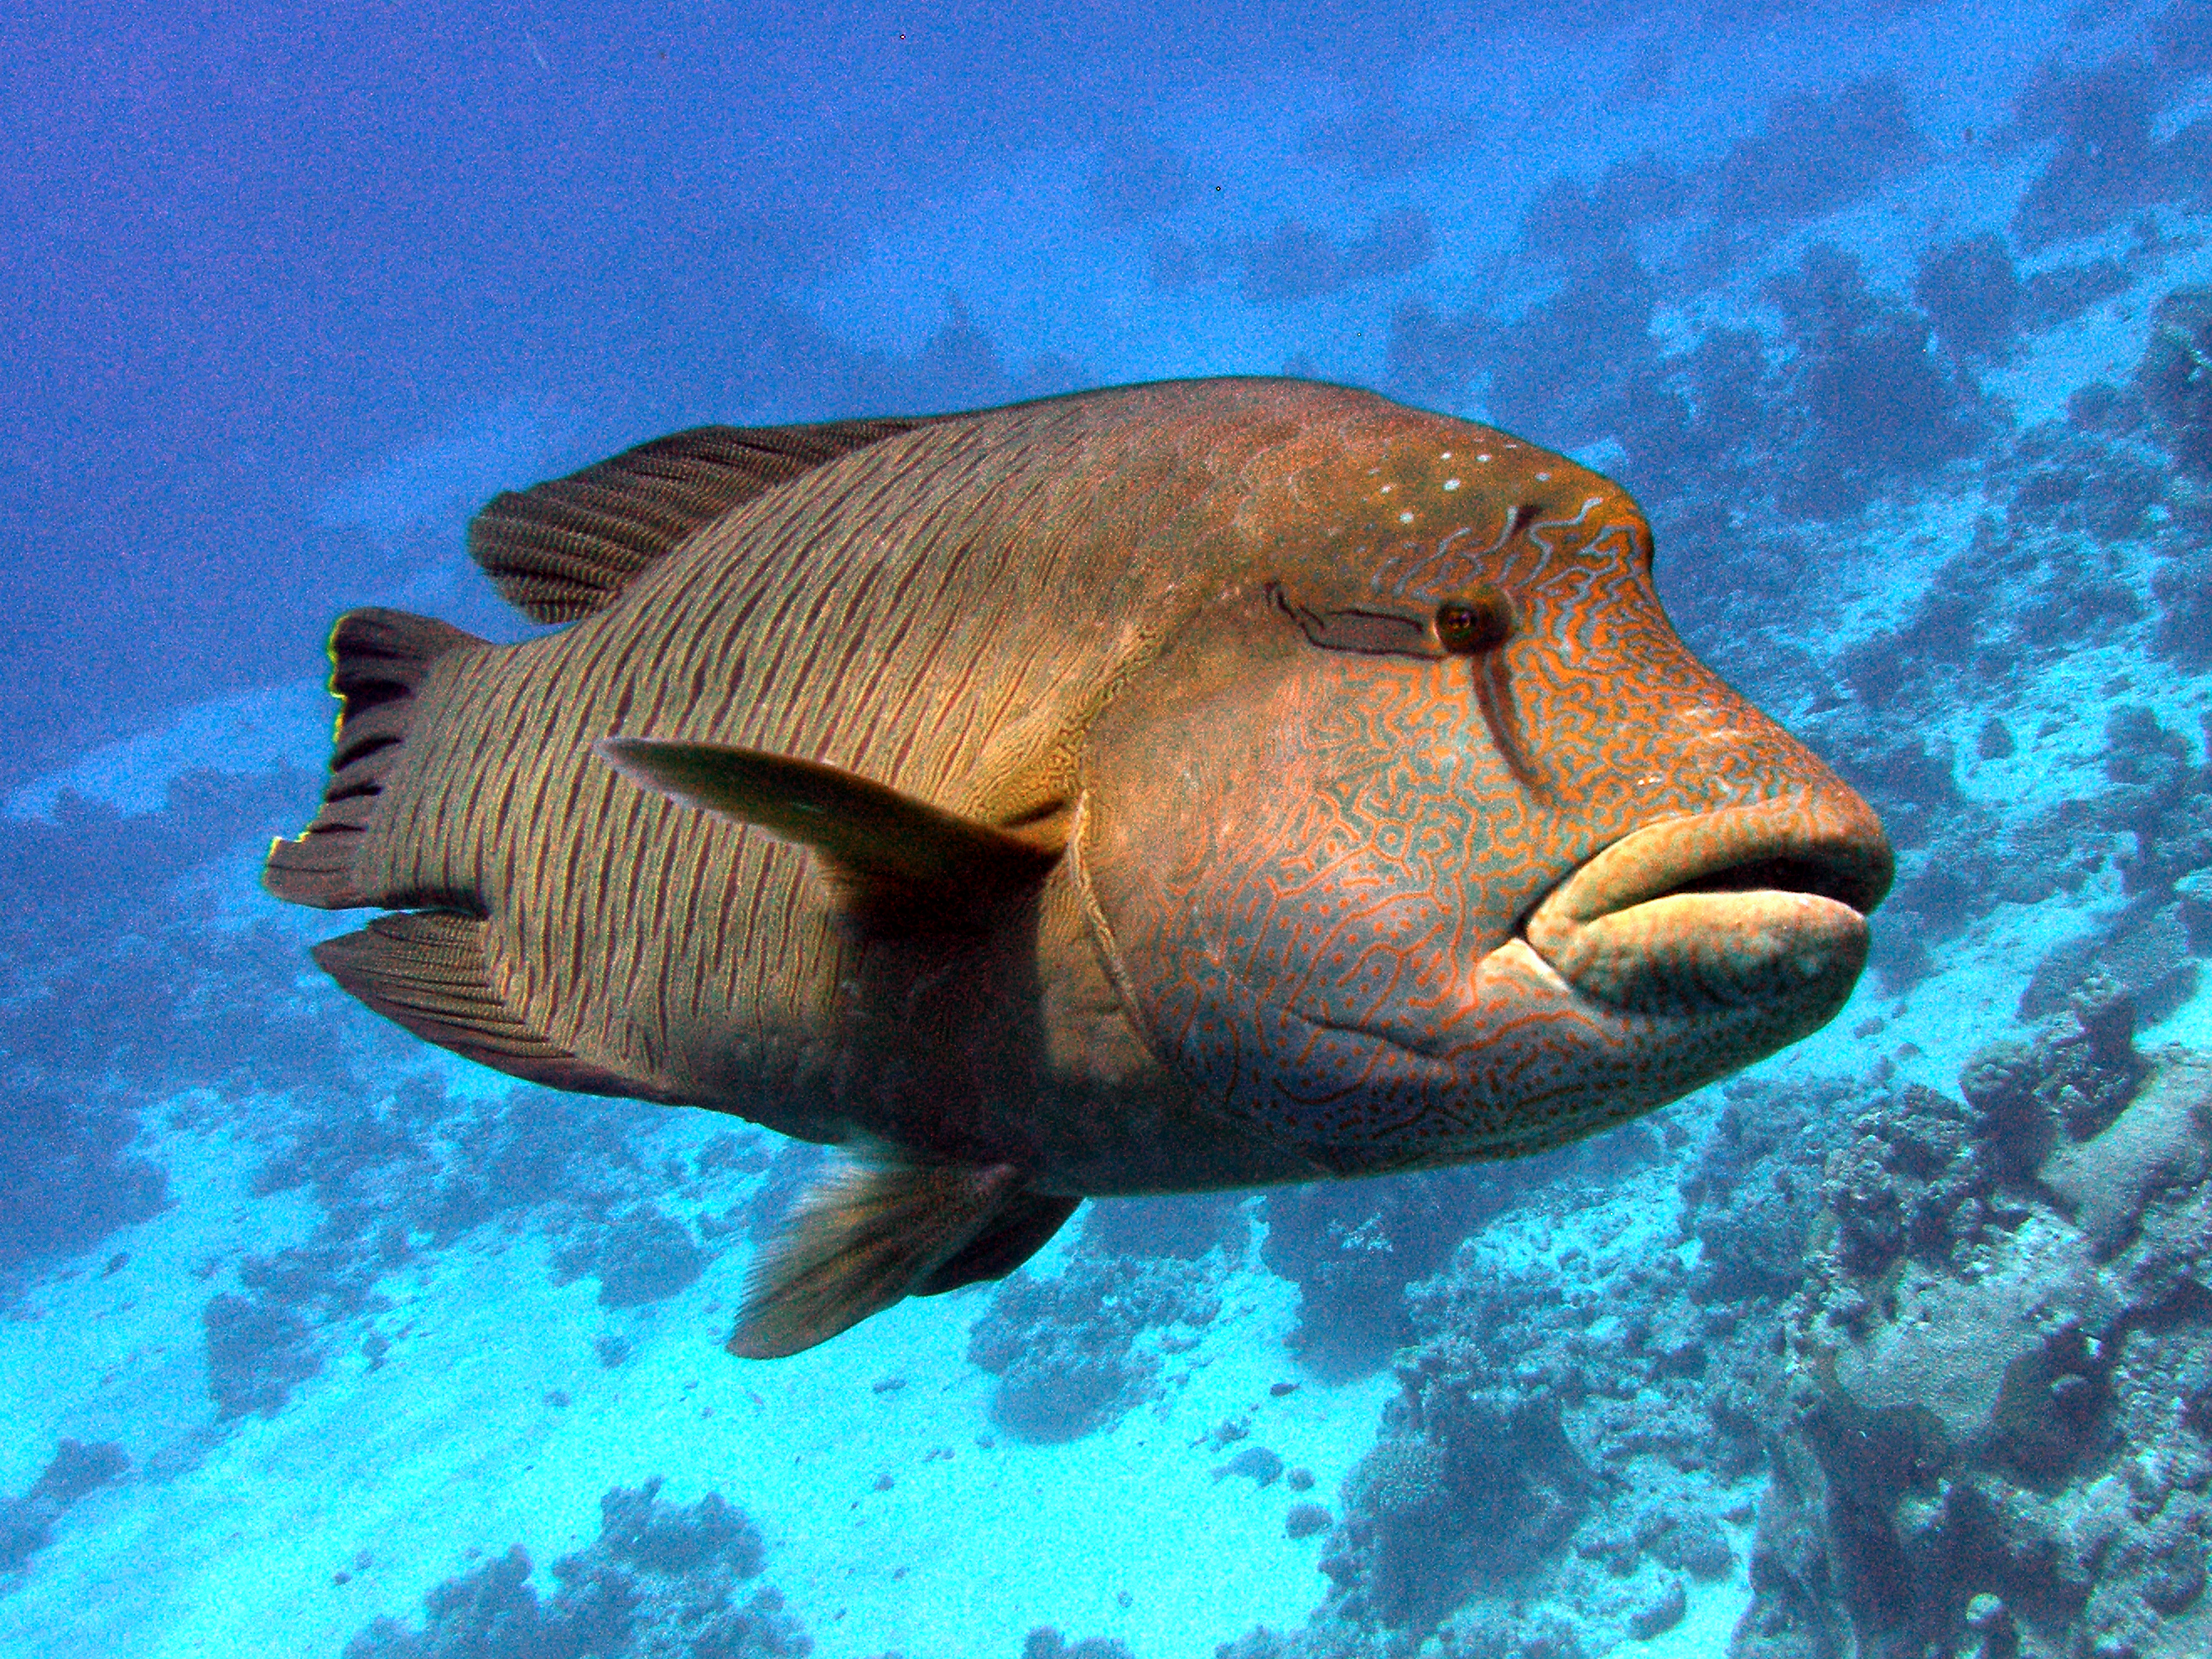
<point>1757,906</point>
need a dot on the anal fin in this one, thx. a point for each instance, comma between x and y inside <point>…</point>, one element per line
<point>1024,1226</point>
<point>868,1237</point>
<point>426,970</point>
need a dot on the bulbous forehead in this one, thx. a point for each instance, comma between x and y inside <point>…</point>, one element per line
<point>1393,506</point>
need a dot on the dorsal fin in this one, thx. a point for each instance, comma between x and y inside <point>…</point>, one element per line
<point>902,863</point>
<point>569,548</point>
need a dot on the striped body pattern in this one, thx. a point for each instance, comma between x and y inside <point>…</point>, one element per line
<point>1192,785</point>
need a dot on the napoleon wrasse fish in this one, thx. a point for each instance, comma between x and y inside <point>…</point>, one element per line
<point>1191,786</point>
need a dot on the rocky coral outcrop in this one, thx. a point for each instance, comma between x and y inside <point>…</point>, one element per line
<point>1564,1431</point>
<point>1991,1436</point>
<point>1074,1350</point>
<point>658,1580</point>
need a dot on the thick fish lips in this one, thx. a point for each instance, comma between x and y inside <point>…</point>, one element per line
<point>1755,908</point>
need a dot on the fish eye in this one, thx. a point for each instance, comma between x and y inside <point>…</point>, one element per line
<point>1469,623</point>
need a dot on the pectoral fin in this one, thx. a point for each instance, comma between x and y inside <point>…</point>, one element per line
<point>866,1237</point>
<point>899,860</point>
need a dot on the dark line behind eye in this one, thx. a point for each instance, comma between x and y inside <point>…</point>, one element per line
<point>1493,695</point>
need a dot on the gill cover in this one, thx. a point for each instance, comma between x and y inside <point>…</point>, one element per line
<point>1273,850</point>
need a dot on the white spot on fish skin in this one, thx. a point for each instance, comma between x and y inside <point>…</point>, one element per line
<point>1445,455</point>
<point>1482,458</point>
<point>1405,518</point>
<point>1386,488</point>
<point>1452,484</point>
<point>1543,477</point>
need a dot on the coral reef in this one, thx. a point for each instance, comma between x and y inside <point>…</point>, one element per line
<point>2105,163</point>
<point>1073,1351</point>
<point>1484,1486</point>
<point>414,1172</point>
<point>1753,1189</point>
<point>1558,1438</point>
<point>1814,152</point>
<point>68,1169</point>
<point>657,1581</point>
<point>1880,403</point>
<point>1138,180</point>
<point>1991,1436</point>
<point>1294,261</point>
<point>1557,370</point>
<point>1351,1248</point>
<point>641,1256</point>
<point>1046,1643</point>
<point>1182,1228</point>
<point>256,1351</point>
<point>1971,290</point>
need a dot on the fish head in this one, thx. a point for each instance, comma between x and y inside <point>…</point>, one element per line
<point>1425,838</point>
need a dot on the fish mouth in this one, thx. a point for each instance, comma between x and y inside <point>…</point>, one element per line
<point>1755,905</point>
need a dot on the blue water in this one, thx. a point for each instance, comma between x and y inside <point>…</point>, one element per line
<point>318,1341</point>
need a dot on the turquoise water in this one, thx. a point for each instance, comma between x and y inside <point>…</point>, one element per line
<point>1896,320</point>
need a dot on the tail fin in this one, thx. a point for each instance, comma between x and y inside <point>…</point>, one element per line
<point>378,661</point>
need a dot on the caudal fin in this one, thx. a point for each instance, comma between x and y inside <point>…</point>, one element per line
<point>379,662</point>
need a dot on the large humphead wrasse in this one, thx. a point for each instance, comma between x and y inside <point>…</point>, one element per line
<point>1184,786</point>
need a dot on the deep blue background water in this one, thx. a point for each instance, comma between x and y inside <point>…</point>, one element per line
<point>252,251</point>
